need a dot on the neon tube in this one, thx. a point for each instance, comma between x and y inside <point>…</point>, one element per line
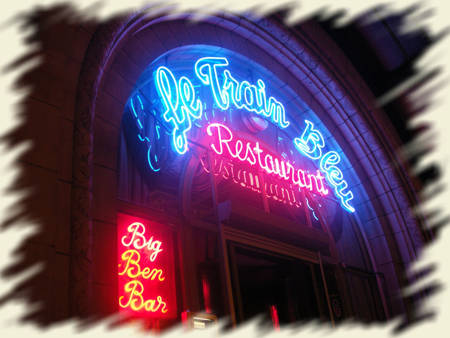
<point>226,170</point>
<point>181,107</point>
<point>241,95</point>
<point>136,238</point>
<point>178,115</point>
<point>132,268</point>
<point>224,143</point>
<point>311,144</point>
<point>133,292</point>
<point>309,207</point>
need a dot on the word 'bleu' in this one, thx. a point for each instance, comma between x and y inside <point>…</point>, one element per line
<point>310,144</point>
<point>182,107</point>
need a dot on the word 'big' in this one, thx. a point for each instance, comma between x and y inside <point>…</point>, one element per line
<point>136,237</point>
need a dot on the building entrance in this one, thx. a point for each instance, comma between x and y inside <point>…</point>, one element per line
<point>280,288</point>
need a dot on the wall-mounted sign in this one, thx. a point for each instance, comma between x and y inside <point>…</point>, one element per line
<point>223,142</point>
<point>286,181</point>
<point>145,268</point>
<point>279,191</point>
<point>310,144</point>
<point>187,101</point>
<point>182,106</point>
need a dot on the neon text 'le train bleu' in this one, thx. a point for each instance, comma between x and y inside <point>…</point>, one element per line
<point>310,144</point>
<point>182,106</point>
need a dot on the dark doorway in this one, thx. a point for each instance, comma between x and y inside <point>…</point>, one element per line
<point>264,281</point>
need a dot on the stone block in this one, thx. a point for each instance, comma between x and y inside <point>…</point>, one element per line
<point>104,194</point>
<point>387,200</point>
<point>60,265</point>
<point>144,47</point>
<point>105,299</point>
<point>372,228</point>
<point>165,35</point>
<point>43,128</point>
<point>380,250</point>
<point>106,147</point>
<point>109,108</point>
<point>104,253</point>
<point>40,202</point>
<point>117,86</point>
<point>62,234</point>
<point>390,277</point>
<point>126,67</point>
<point>65,149</point>
<point>405,249</point>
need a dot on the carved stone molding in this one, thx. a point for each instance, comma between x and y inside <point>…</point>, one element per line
<point>91,74</point>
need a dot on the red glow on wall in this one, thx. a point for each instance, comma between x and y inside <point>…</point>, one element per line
<point>184,318</point>
<point>274,316</point>
<point>206,294</point>
<point>146,277</point>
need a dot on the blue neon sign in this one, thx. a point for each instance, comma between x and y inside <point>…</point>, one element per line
<point>241,95</point>
<point>310,144</point>
<point>183,108</point>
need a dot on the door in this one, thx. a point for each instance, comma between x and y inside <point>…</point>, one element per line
<point>269,284</point>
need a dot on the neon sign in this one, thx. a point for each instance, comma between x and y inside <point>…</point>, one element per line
<point>132,267</point>
<point>152,159</point>
<point>242,95</point>
<point>310,144</point>
<point>178,114</point>
<point>249,180</point>
<point>145,269</point>
<point>135,236</point>
<point>134,290</point>
<point>184,107</point>
<point>252,153</point>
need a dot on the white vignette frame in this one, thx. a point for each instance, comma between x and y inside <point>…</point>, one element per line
<point>11,38</point>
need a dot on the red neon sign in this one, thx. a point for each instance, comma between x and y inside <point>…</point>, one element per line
<point>224,143</point>
<point>278,191</point>
<point>145,268</point>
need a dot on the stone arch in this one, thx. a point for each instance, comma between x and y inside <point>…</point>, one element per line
<point>117,55</point>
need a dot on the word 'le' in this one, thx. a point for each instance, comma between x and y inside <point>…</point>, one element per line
<point>182,106</point>
<point>310,144</point>
<point>253,154</point>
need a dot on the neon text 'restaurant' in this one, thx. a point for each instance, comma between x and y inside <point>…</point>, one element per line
<point>223,142</point>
